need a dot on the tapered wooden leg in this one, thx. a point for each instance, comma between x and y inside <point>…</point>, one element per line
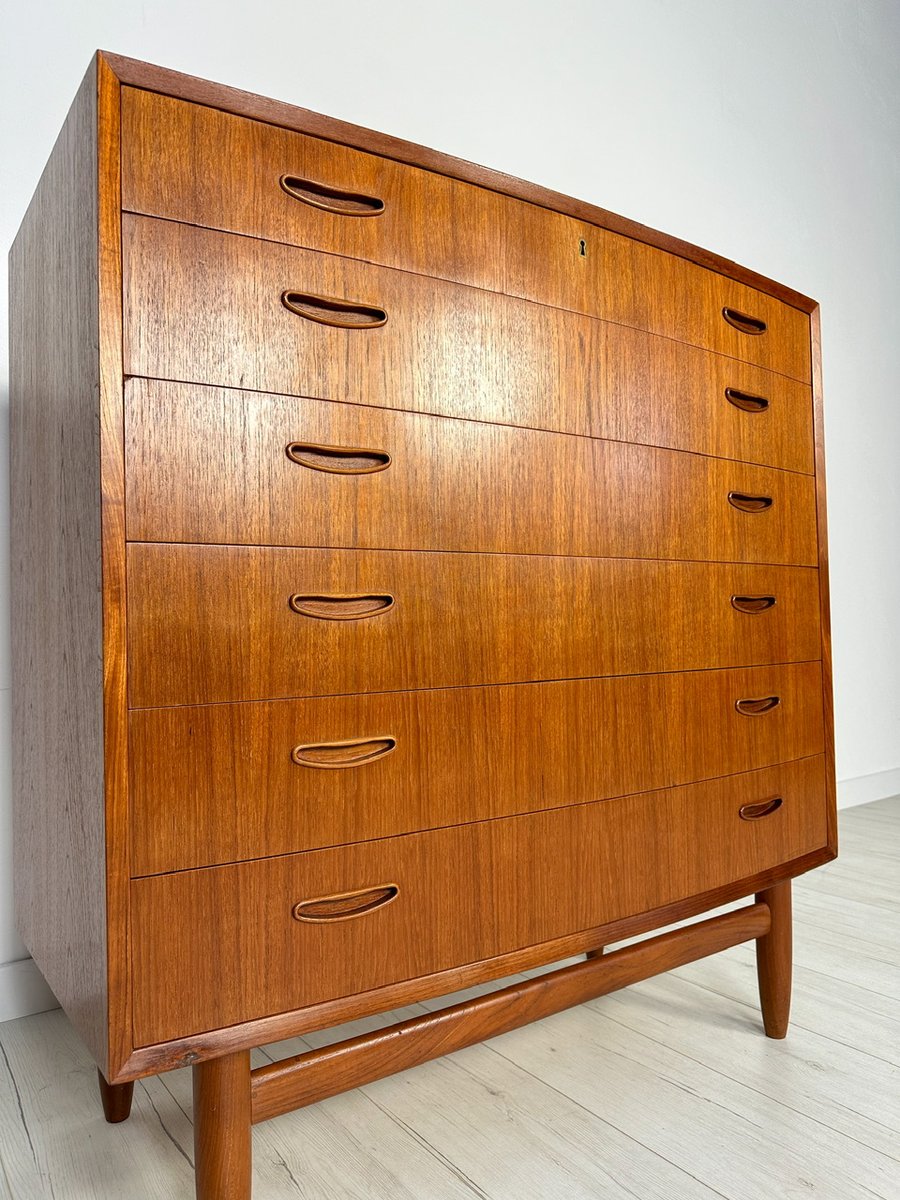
<point>222,1153</point>
<point>773,961</point>
<point>116,1099</point>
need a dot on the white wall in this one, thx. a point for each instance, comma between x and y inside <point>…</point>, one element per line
<point>766,131</point>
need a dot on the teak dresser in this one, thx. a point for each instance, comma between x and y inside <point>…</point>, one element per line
<point>419,577</point>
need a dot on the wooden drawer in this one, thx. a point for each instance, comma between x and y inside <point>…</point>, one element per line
<point>209,168</point>
<point>225,782</point>
<point>211,623</point>
<point>444,348</point>
<point>240,467</point>
<point>460,895</point>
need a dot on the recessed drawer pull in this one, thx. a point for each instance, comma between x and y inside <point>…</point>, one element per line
<point>336,755</point>
<point>753,812</point>
<point>338,460</point>
<point>755,708</point>
<point>341,607</point>
<point>752,604</point>
<point>743,322</point>
<point>329,310</point>
<point>746,401</point>
<point>750,504</point>
<point>345,906</point>
<point>332,199</point>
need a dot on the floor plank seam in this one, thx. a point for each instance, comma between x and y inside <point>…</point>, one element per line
<point>764,1095</point>
<point>427,1146</point>
<point>18,1094</point>
<point>188,1115</point>
<point>166,1130</point>
<point>279,1160</point>
<point>622,1133</point>
<point>797,1023</point>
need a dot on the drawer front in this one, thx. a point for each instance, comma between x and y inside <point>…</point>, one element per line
<point>444,350</point>
<point>240,467</point>
<point>208,168</point>
<point>226,782</point>
<point>213,623</point>
<point>380,912</point>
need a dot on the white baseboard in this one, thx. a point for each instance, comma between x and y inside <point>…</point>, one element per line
<point>866,788</point>
<point>23,990</point>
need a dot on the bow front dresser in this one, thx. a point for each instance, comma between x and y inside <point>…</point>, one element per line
<point>419,577</point>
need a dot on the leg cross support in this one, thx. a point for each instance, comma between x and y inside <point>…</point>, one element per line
<point>229,1097</point>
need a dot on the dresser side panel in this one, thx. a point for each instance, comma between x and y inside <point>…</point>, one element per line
<point>58,773</point>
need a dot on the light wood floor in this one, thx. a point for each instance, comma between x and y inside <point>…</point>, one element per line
<point>667,1091</point>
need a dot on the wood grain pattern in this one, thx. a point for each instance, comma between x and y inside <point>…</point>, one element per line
<point>214,623</point>
<point>216,470</point>
<point>579,376</point>
<point>209,168</point>
<point>180,1052</point>
<point>444,348</point>
<point>149,77</point>
<point>112,532</point>
<point>774,961</point>
<point>229,929</point>
<point>222,1111</point>
<point>285,1085</point>
<point>217,783</point>
<point>57,769</point>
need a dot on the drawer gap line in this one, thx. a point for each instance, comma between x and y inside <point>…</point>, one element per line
<point>703,562</point>
<point>438,416</point>
<point>139,708</point>
<point>515,296</point>
<point>390,837</point>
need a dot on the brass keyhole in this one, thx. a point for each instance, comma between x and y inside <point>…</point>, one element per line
<point>582,248</point>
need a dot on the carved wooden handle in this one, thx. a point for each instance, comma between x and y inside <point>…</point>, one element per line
<point>341,607</point>
<point>743,322</point>
<point>750,504</point>
<point>332,199</point>
<point>746,401</point>
<point>345,906</point>
<point>338,460</point>
<point>337,755</point>
<point>330,310</point>
<point>752,604</point>
<point>755,708</point>
<point>753,812</point>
